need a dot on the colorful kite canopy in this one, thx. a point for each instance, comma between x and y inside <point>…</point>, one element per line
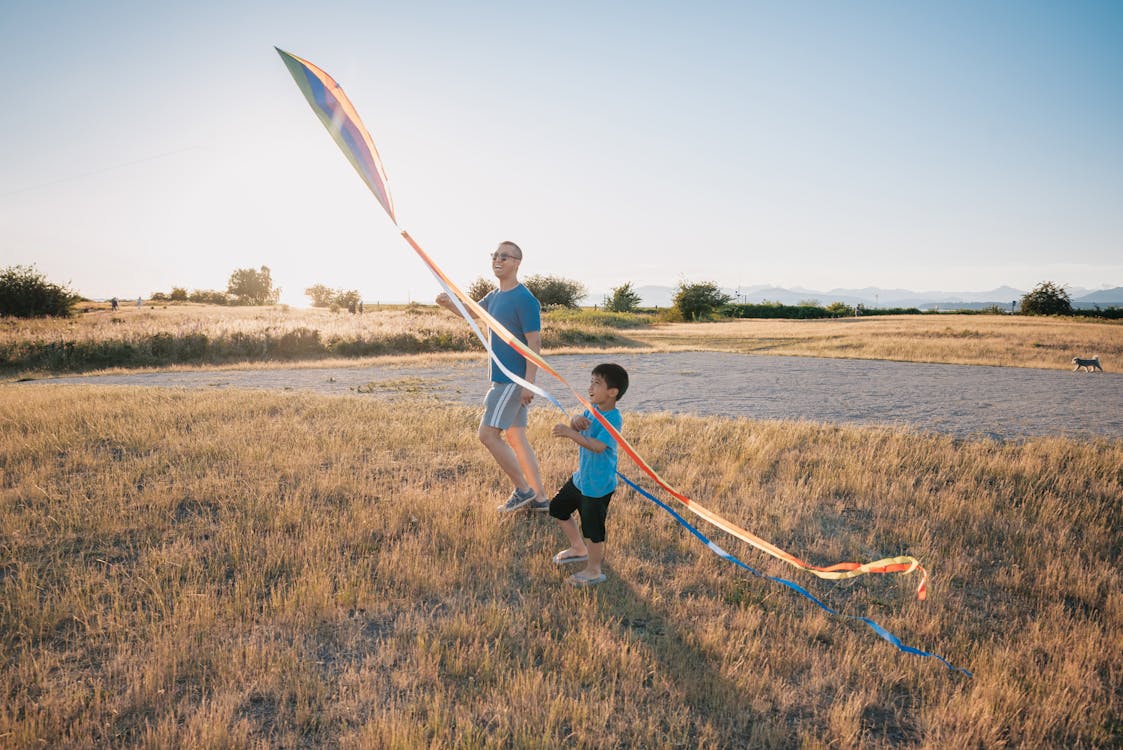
<point>338,115</point>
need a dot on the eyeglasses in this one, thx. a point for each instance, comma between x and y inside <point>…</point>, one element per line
<point>503,257</point>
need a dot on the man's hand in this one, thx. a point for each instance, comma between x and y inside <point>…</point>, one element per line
<point>443,300</point>
<point>580,423</point>
<point>528,396</point>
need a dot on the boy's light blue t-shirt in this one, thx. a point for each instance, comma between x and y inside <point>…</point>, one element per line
<point>519,312</point>
<point>596,472</point>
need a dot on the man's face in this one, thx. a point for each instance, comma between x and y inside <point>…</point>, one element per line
<point>505,261</point>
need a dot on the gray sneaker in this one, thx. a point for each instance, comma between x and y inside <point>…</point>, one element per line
<point>517,500</point>
<point>540,506</point>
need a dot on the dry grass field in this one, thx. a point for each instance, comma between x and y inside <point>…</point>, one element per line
<point>182,569</point>
<point>191,335</point>
<point>209,335</point>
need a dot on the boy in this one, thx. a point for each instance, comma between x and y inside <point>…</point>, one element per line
<point>590,488</point>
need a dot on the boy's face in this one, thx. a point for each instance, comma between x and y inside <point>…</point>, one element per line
<point>599,392</point>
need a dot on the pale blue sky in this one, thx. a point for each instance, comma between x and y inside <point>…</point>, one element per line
<point>955,146</point>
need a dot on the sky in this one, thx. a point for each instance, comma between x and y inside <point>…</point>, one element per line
<point>820,145</point>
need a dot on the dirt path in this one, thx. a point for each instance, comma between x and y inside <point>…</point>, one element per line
<point>962,400</point>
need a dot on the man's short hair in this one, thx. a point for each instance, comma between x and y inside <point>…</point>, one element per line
<point>512,245</point>
<point>614,376</point>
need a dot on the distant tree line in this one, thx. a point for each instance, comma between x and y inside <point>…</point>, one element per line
<point>25,292</point>
<point>246,286</point>
<point>324,296</point>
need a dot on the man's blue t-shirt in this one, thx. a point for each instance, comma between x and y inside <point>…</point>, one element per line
<point>519,312</point>
<point>596,472</point>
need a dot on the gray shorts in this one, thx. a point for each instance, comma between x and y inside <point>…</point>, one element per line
<point>503,406</point>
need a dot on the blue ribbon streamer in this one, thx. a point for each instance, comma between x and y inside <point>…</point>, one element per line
<point>791,585</point>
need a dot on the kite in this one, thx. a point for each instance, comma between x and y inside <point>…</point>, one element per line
<point>342,121</point>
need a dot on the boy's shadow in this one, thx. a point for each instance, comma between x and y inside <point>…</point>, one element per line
<point>715,701</point>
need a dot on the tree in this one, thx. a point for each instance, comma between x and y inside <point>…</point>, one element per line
<point>348,300</point>
<point>179,294</point>
<point>1047,299</point>
<point>554,291</point>
<point>480,288</point>
<point>695,301</point>
<point>624,299</point>
<point>26,293</point>
<point>320,295</point>
<point>252,287</point>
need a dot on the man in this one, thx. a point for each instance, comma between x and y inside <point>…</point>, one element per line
<point>505,406</point>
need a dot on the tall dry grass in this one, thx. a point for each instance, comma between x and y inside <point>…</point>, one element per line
<point>1005,340</point>
<point>250,570</point>
<point>203,335</point>
<point>190,334</point>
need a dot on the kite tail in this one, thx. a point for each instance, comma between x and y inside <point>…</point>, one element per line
<point>791,585</point>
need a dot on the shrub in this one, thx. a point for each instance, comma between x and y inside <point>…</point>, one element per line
<point>26,293</point>
<point>480,288</point>
<point>699,301</point>
<point>1047,299</point>
<point>624,299</point>
<point>209,297</point>
<point>554,291</point>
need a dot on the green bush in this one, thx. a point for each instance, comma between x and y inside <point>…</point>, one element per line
<point>1047,298</point>
<point>623,299</point>
<point>554,291</point>
<point>699,301</point>
<point>26,293</point>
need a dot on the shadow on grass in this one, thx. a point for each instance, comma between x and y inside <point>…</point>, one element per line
<point>715,703</point>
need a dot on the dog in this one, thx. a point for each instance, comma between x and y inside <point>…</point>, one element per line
<point>1089,365</point>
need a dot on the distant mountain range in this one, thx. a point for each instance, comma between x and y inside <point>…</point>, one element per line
<point>662,296</point>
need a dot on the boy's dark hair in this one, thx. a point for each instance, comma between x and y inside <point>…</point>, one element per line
<point>614,376</point>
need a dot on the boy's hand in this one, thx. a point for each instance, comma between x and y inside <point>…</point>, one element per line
<point>564,430</point>
<point>580,423</point>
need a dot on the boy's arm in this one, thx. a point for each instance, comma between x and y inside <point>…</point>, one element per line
<point>592,444</point>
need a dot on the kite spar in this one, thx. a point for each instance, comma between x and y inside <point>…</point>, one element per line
<point>342,121</point>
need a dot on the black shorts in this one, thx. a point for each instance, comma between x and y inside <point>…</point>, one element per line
<point>591,510</point>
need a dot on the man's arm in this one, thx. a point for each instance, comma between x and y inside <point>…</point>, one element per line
<point>534,343</point>
<point>446,302</point>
